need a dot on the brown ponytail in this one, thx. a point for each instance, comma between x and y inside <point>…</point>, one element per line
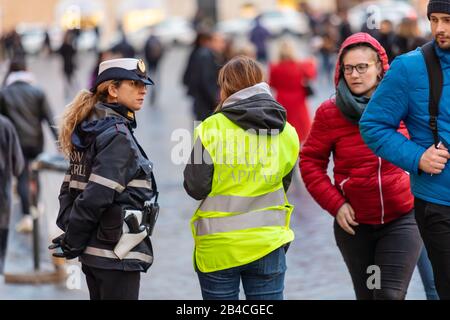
<point>78,110</point>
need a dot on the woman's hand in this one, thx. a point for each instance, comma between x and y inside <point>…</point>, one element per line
<point>346,217</point>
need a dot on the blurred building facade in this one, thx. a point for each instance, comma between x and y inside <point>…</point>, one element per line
<point>51,12</point>
<point>46,12</point>
<point>107,14</point>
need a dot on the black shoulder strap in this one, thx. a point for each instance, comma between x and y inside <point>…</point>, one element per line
<point>436,81</point>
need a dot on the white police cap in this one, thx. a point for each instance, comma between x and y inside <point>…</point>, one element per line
<point>122,69</point>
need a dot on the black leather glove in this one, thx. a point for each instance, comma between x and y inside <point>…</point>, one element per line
<point>56,243</point>
<point>67,251</point>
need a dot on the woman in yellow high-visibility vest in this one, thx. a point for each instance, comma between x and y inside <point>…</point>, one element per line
<point>241,167</point>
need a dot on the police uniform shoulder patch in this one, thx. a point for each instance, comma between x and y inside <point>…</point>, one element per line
<point>122,128</point>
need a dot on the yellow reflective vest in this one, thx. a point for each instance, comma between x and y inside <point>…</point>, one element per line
<point>247,214</point>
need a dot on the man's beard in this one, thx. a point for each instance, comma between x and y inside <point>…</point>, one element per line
<point>446,46</point>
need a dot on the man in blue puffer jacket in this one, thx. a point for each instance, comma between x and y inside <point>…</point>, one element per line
<point>403,96</point>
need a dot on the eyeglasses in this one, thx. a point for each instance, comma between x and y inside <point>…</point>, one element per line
<point>361,68</point>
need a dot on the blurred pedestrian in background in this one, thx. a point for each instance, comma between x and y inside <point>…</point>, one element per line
<point>27,107</point>
<point>386,38</point>
<point>153,52</point>
<point>408,37</point>
<point>203,71</point>
<point>188,75</point>
<point>68,52</point>
<point>371,198</point>
<point>291,78</point>
<point>47,44</point>
<point>11,163</point>
<point>241,229</point>
<point>230,49</point>
<point>343,27</point>
<point>13,46</point>
<point>259,35</point>
<point>313,17</point>
<point>123,48</point>
<point>326,47</point>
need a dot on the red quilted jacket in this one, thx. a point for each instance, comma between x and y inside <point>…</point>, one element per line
<point>377,190</point>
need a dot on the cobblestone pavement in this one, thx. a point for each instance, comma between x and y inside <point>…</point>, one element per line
<point>315,267</point>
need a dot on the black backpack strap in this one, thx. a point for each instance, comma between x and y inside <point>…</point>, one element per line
<point>436,81</point>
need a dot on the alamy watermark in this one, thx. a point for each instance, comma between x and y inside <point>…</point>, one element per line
<point>73,281</point>
<point>374,280</point>
<point>232,148</point>
<point>373,17</point>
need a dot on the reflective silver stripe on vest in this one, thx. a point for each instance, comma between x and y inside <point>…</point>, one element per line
<point>111,255</point>
<point>222,203</point>
<point>269,218</point>
<point>106,182</point>
<point>67,178</point>
<point>77,185</point>
<point>140,184</point>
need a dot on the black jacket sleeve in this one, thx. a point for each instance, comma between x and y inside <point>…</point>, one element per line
<point>113,168</point>
<point>287,179</point>
<point>48,115</point>
<point>65,204</point>
<point>11,156</point>
<point>198,174</point>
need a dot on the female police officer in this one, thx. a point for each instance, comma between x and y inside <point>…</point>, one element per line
<point>108,181</point>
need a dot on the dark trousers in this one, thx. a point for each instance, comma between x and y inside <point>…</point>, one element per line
<point>106,284</point>
<point>23,186</point>
<point>394,247</point>
<point>434,225</point>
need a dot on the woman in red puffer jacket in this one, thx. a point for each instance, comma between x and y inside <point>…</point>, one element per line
<point>370,198</point>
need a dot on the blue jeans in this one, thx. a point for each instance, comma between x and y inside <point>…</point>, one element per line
<point>262,279</point>
<point>426,274</point>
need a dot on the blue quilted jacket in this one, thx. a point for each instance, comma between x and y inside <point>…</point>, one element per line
<point>403,95</point>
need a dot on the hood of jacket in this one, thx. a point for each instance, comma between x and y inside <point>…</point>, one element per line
<point>104,116</point>
<point>255,108</point>
<point>20,76</point>
<point>361,37</point>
